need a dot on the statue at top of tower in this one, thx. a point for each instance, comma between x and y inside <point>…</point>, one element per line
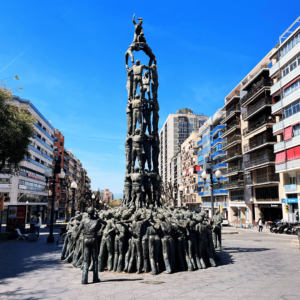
<point>138,31</point>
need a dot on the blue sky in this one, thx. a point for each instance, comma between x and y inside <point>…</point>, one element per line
<point>69,56</point>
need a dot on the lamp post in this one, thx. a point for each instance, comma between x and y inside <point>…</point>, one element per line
<point>26,213</point>
<point>218,175</point>
<point>180,192</point>
<point>56,170</point>
<point>73,187</point>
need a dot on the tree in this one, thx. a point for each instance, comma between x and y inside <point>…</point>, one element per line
<point>168,193</point>
<point>16,129</point>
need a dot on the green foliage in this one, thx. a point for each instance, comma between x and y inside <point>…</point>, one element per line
<point>16,129</point>
<point>261,215</point>
<point>114,203</point>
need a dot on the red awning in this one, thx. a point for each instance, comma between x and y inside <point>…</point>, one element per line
<point>280,158</point>
<point>290,154</point>
<point>278,132</point>
<point>297,152</point>
<point>288,133</point>
<point>296,123</point>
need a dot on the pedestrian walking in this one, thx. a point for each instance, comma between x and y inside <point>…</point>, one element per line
<point>260,225</point>
<point>38,225</point>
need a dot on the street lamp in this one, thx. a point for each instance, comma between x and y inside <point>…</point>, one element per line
<point>73,187</point>
<point>218,175</point>
<point>181,193</point>
<point>56,170</point>
<point>26,212</point>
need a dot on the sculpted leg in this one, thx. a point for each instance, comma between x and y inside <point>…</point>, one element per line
<point>187,258</point>
<point>101,255</point>
<point>201,253</point>
<point>86,262</point>
<point>121,254</point>
<point>156,252</point>
<point>110,253</point>
<point>151,255</point>
<point>190,251</point>
<point>139,255</point>
<point>127,256</point>
<point>94,258</point>
<point>166,256</point>
<point>116,258</point>
<point>145,245</point>
<point>132,255</point>
<point>180,251</point>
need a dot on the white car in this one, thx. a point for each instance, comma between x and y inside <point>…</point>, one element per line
<point>225,222</point>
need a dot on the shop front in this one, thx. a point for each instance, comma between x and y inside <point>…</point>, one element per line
<point>292,208</point>
<point>271,212</point>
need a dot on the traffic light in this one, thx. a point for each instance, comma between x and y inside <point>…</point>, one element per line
<point>287,208</point>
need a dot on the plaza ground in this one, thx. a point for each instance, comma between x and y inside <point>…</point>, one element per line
<point>254,266</point>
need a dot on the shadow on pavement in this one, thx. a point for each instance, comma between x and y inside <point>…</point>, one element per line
<point>239,249</point>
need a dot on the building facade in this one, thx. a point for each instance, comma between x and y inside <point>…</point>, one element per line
<point>176,129</point>
<point>210,145</point>
<point>285,93</point>
<point>29,184</point>
<point>189,170</point>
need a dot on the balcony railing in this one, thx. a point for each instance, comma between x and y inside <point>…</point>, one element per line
<point>256,87</point>
<point>267,178</point>
<point>232,154</point>
<point>232,169</point>
<point>234,184</point>
<point>255,125</point>
<point>256,107</point>
<point>263,159</point>
<point>230,126</point>
<point>237,197</point>
<point>260,140</point>
<point>236,107</point>
<point>234,138</point>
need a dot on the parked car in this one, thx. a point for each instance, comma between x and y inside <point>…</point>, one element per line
<point>225,222</point>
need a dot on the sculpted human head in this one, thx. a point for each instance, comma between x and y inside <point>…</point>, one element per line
<point>91,211</point>
<point>138,62</point>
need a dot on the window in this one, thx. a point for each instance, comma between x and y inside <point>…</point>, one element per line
<point>292,109</point>
<point>298,178</point>
<point>292,88</point>
<point>292,43</point>
<point>292,180</point>
<point>290,66</point>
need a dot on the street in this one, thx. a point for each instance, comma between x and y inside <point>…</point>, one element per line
<point>253,266</point>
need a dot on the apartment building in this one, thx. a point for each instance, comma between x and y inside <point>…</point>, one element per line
<point>210,145</point>
<point>29,184</point>
<point>189,170</point>
<point>176,129</point>
<point>285,93</point>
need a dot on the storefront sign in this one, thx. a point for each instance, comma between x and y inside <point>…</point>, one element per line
<point>5,185</point>
<point>274,205</point>
<point>16,217</point>
<point>292,200</point>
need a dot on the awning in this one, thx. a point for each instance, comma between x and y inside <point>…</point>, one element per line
<point>288,133</point>
<point>280,158</point>
<point>278,132</point>
<point>296,123</point>
<point>290,154</point>
<point>297,152</point>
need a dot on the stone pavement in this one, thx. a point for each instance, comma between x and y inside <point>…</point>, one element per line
<point>254,266</point>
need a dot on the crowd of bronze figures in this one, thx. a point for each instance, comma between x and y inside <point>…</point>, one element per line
<point>147,239</point>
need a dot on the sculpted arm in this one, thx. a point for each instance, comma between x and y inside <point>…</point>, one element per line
<point>133,20</point>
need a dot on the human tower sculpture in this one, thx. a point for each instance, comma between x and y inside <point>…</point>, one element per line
<point>143,234</point>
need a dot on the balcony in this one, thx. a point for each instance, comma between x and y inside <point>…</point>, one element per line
<point>258,124</point>
<point>259,161</point>
<point>231,128</point>
<point>257,107</point>
<point>286,122</point>
<point>256,89</point>
<point>232,171</point>
<point>237,184</point>
<point>232,141</point>
<point>259,142</point>
<point>268,178</point>
<point>289,99</point>
<point>216,129</point>
<point>217,141</point>
<point>219,166</point>
<point>290,188</point>
<point>42,142</point>
<point>218,153</point>
<point>237,198</point>
<point>44,132</point>
<point>236,109</point>
<point>233,155</point>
